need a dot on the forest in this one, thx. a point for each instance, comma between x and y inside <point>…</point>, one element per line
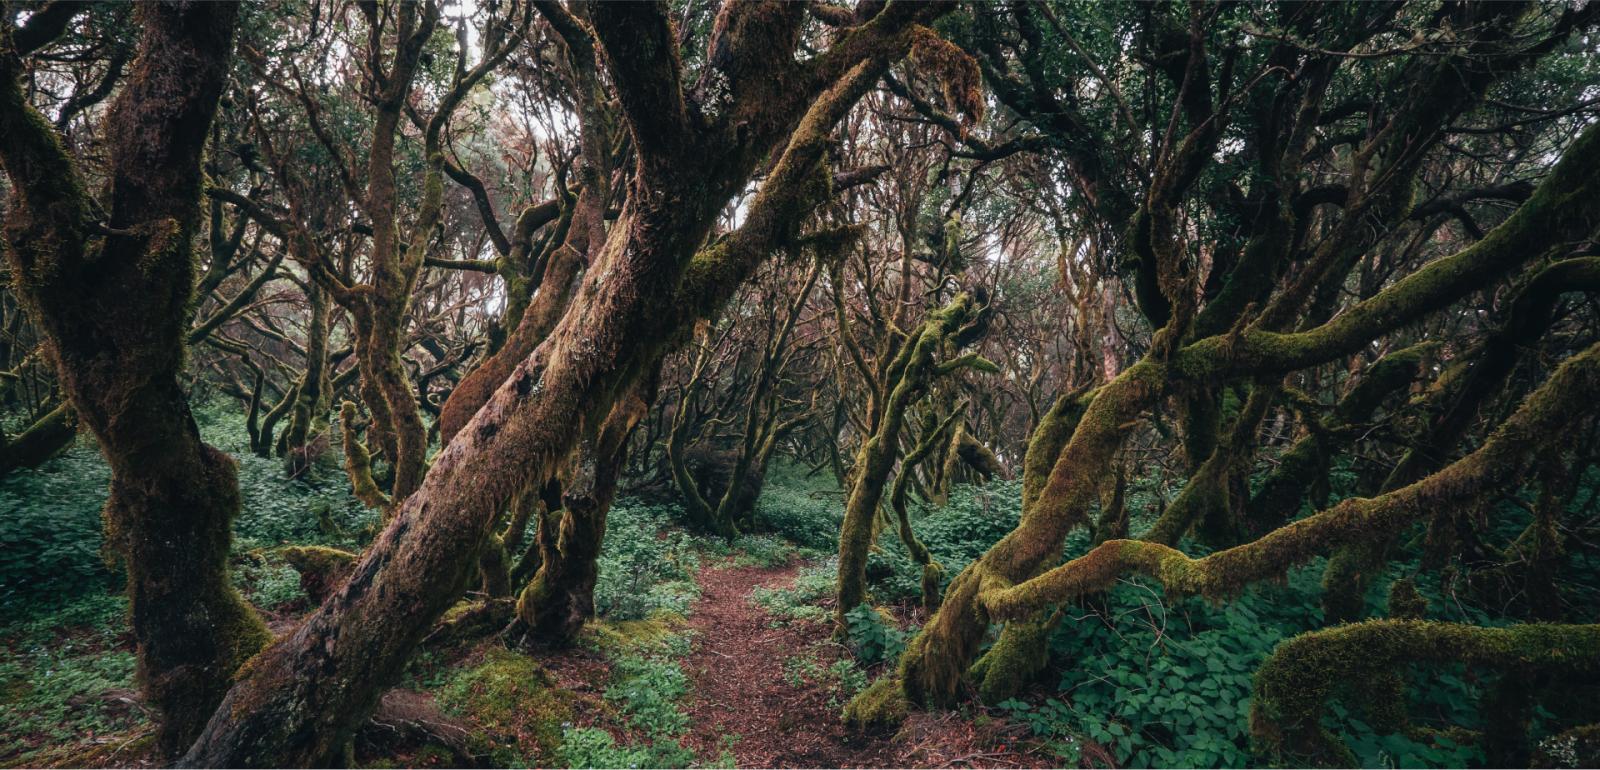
<point>800,383</point>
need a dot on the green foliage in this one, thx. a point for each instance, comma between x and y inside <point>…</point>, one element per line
<point>316,508</point>
<point>59,679</point>
<point>850,677</point>
<point>801,600</point>
<point>269,586</point>
<point>586,747</point>
<point>50,541</point>
<point>647,689</point>
<point>805,511</point>
<point>647,686</point>
<point>1165,685</point>
<point>762,551</point>
<point>974,518</point>
<point>51,533</point>
<point>647,564</point>
<point>873,638</point>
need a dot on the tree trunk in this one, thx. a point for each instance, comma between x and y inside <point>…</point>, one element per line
<point>116,312</point>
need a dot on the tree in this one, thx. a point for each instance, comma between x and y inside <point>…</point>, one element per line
<point>1269,307</point>
<point>111,292</point>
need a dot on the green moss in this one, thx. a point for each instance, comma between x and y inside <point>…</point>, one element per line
<point>514,702</point>
<point>358,462</point>
<point>883,704</point>
<point>1405,602</point>
<point>1360,663</point>
<point>321,568</point>
<point>1021,652</point>
<point>624,637</point>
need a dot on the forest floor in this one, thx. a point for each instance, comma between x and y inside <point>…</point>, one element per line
<point>740,688</point>
<point>754,689</point>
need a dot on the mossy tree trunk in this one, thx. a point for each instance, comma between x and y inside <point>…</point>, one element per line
<point>313,393</point>
<point>559,598</point>
<point>114,301</point>
<point>912,371</point>
<point>47,437</point>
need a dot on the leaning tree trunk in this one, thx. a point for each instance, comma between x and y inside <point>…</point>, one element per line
<point>913,369</point>
<point>559,598</point>
<point>116,310</point>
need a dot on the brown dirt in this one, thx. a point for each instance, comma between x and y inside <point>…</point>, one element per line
<point>740,689</point>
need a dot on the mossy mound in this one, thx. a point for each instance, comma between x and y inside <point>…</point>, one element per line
<point>619,637</point>
<point>882,705</point>
<point>518,710</point>
<point>322,569</point>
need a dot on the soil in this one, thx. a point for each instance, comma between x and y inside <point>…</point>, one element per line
<point>742,700</point>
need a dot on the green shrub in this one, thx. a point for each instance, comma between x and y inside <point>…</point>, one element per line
<point>592,747</point>
<point>648,687</point>
<point>873,638</point>
<point>50,541</point>
<point>957,533</point>
<point>647,565</point>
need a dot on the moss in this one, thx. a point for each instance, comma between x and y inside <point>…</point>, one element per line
<point>1345,581</point>
<point>321,569</point>
<point>1359,663</point>
<point>471,620</point>
<point>620,637</point>
<point>514,702</point>
<point>1021,652</point>
<point>882,705</point>
<point>358,463</point>
<point>1405,602</point>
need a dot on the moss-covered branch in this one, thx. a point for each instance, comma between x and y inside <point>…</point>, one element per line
<point>913,369</point>
<point>1299,468</point>
<point>1496,465</point>
<point>1361,663</point>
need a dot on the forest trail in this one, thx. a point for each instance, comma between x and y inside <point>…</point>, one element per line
<point>740,688</point>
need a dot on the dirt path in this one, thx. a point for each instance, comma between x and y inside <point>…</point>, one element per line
<point>739,689</point>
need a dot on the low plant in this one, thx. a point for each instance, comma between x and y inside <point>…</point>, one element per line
<point>872,637</point>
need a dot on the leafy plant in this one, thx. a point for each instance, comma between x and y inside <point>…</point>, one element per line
<point>801,600</point>
<point>873,638</point>
<point>647,565</point>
